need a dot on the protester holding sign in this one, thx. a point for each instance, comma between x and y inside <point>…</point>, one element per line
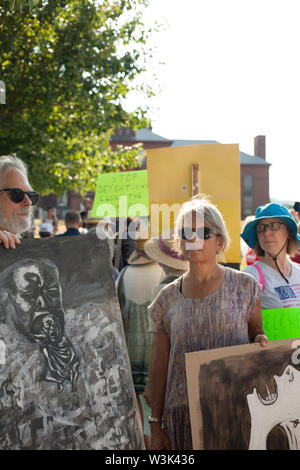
<point>273,235</point>
<point>210,306</point>
<point>16,201</point>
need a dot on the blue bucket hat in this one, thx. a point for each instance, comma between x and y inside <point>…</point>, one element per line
<point>269,211</point>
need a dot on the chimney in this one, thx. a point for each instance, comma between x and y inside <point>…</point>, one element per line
<point>260,146</point>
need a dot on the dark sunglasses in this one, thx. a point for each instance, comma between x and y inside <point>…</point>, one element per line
<point>17,195</point>
<point>202,233</point>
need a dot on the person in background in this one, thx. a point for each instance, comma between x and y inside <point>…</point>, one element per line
<point>126,245</point>
<point>16,201</point>
<point>294,215</point>
<point>135,289</point>
<point>73,223</point>
<point>273,236</point>
<point>296,208</point>
<point>28,233</point>
<point>105,230</point>
<point>210,306</point>
<point>296,257</point>
<point>88,205</point>
<point>50,218</point>
<point>46,230</point>
<point>247,253</point>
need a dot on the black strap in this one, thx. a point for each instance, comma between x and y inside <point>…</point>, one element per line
<point>275,260</point>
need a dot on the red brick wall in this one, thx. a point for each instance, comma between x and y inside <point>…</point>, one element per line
<point>260,146</point>
<point>260,174</point>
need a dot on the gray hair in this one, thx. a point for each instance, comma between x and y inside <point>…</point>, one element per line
<point>206,211</point>
<point>7,162</point>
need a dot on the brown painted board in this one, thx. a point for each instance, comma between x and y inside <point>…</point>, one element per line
<point>245,397</point>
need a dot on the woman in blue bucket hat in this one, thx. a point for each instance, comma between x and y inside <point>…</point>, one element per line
<point>273,237</point>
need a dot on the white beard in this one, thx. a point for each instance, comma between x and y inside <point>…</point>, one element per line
<point>16,224</point>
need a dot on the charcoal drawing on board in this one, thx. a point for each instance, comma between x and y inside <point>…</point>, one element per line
<point>248,400</point>
<point>65,381</point>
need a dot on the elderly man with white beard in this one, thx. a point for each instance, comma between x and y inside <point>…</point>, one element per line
<point>16,201</point>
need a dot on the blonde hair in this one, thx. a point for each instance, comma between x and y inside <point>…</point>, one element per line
<point>211,215</point>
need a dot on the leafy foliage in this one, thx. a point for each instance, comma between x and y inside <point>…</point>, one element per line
<point>20,4</point>
<point>67,66</point>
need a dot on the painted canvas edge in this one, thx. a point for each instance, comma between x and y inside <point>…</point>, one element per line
<point>193,362</point>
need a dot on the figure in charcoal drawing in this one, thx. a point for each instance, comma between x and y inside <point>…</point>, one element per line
<point>33,310</point>
<point>279,408</point>
<point>61,358</point>
<point>11,415</point>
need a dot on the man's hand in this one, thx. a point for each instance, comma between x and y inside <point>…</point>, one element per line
<point>9,239</point>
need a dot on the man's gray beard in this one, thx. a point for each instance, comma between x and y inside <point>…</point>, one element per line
<point>16,225</point>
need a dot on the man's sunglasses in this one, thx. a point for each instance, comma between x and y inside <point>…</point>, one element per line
<point>17,195</point>
<point>202,233</point>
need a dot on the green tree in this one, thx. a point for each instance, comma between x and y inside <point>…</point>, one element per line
<point>20,4</point>
<point>67,68</point>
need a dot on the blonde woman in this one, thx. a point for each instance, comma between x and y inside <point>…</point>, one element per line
<point>210,306</point>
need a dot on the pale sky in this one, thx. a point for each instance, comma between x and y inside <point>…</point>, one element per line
<point>231,72</point>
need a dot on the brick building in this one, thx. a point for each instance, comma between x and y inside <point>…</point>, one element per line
<point>254,170</point>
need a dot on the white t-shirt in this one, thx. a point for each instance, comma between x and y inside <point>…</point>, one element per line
<point>140,280</point>
<point>277,293</point>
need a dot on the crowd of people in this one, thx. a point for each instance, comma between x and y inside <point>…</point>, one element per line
<point>176,293</point>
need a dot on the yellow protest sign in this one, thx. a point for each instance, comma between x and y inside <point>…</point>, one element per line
<point>170,183</point>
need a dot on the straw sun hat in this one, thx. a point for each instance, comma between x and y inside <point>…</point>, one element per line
<point>162,250</point>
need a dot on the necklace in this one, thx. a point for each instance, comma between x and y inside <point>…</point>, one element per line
<point>204,286</point>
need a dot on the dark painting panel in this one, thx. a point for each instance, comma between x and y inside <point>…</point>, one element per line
<point>224,403</point>
<point>246,397</point>
<point>65,380</point>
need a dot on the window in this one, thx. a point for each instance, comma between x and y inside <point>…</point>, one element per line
<point>62,200</point>
<point>248,195</point>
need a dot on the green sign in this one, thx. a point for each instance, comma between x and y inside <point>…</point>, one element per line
<point>281,323</point>
<point>122,194</point>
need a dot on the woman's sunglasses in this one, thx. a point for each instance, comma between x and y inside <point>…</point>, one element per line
<point>273,226</point>
<point>17,195</point>
<point>202,233</point>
